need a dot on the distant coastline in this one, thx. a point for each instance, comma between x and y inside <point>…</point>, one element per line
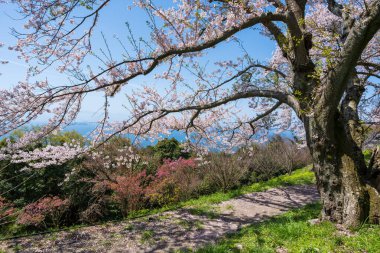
<point>85,128</point>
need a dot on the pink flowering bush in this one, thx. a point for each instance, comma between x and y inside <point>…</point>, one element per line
<point>105,180</point>
<point>7,211</point>
<point>44,212</point>
<point>169,166</point>
<point>174,181</point>
<point>128,191</point>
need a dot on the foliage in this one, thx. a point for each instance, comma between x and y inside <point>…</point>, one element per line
<point>201,204</point>
<point>225,172</point>
<point>7,212</point>
<point>23,185</point>
<point>367,155</point>
<point>120,180</point>
<point>92,183</point>
<point>174,181</point>
<point>128,191</point>
<point>169,149</point>
<point>61,138</point>
<point>318,81</point>
<point>277,157</point>
<point>253,164</point>
<point>47,211</point>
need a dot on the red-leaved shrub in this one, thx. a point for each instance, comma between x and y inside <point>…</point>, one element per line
<point>174,181</point>
<point>128,191</point>
<point>44,212</point>
<point>6,210</point>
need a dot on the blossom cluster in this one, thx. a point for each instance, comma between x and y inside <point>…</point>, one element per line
<point>234,102</point>
<point>35,213</point>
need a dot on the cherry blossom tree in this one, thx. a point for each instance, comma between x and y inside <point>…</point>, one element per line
<point>321,82</point>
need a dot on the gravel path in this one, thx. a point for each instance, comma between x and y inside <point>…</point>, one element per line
<point>172,230</point>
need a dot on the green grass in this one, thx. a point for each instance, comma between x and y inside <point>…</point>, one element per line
<point>367,155</point>
<point>146,236</point>
<point>202,205</point>
<point>301,176</point>
<point>292,232</point>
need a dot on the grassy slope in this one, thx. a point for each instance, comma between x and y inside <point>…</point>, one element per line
<point>293,232</point>
<point>298,177</point>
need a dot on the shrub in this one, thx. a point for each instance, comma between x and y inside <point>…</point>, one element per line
<point>224,171</point>
<point>277,157</point>
<point>174,181</point>
<point>7,210</point>
<point>44,212</point>
<point>128,191</point>
<point>169,149</point>
<point>91,202</point>
<point>22,186</point>
<point>118,178</point>
<point>102,182</point>
<point>288,154</point>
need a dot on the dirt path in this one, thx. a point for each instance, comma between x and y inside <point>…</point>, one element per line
<point>173,230</point>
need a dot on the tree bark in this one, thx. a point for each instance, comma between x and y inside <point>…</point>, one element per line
<point>328,109</point>
<point>342,179</point>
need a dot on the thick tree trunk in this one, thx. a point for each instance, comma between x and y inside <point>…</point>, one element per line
<point>341,175</point>
<point>328,108</point>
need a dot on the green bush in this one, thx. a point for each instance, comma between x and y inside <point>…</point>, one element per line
<point>23,186</point>
<point>169,149</point>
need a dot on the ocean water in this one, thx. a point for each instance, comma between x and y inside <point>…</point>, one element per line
<point>85,128</point>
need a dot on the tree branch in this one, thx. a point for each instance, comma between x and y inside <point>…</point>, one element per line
<point>335,8</point>
<point>156,60</point>
<point>277,34</point>
<point>358,38</point>
<point>280,96</point>
<point>272,109</point>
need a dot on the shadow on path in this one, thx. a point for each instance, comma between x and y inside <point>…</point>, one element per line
<point>173,230</point>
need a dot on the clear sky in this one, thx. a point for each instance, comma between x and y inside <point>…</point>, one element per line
<point>112,23</point>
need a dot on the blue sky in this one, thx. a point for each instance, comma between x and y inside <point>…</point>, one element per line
<point>112,23</point>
